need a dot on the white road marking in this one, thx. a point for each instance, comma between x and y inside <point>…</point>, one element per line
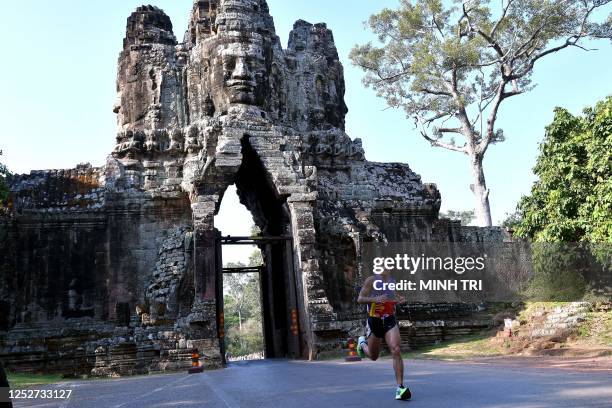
<point>156,390</point>
<point>222,395</point>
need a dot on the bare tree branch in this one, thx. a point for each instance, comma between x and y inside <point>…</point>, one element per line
<point>499,97</point>
<point>466,61</point>
<point>569,42</point>
<point>443,145</point>
<point>503,16</point>
<point>437,116</point>
<point>494,44</point>
<point>434,92</point>
<point>381,77</point>
<point>436,141</point>
<point>449,130</point>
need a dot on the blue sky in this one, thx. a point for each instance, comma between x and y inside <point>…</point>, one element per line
<point>58,88</point>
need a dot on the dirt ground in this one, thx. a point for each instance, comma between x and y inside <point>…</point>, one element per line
<point>583,364</point>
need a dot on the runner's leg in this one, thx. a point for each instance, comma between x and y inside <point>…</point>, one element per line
<point>392,338</point>
<point>372,349</point>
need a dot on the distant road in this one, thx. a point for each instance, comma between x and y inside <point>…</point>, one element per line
<point>491,383</point>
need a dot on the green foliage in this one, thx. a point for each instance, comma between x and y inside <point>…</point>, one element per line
<point>571,202</point>
<point>559,271</point>
<point>22,380</point>
<point>572,199</point>
<point>450,65</point>
<point>255,230</point>
<point>465,216</point>
<point>439,59</point>
<point>246,340</point>
<point>512,220</point>
<point>242,309</point>
<point>255,259</point>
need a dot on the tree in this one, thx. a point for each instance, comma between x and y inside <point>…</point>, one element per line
<point>236,284</point>
<point>451,67</point>
<point>570,203</point>
<point>242,306</point>
<point>465,216</point>
<point>572,199</point>
<point>255,230</point>
<point>512,221</point>
<point>243,311</point>
<point>255,259</point>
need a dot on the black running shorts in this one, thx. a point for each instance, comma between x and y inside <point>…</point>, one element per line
<point>380,326</point>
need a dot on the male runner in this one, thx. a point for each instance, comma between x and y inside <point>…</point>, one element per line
<point>381,324</point>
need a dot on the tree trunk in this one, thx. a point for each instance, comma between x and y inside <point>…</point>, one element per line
<point>482,210</point>
<point>241,338</point>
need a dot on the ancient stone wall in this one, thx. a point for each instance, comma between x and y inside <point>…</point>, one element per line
<point>77,260</point>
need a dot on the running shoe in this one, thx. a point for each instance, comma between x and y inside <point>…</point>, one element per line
<point>402,393</point>
<point>360,342</point>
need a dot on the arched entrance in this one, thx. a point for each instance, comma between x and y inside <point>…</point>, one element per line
<point>278,293</point>
<point>278,278</point>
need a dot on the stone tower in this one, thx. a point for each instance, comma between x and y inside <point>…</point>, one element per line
<point>125,257</point>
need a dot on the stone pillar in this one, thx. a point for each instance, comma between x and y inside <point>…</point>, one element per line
<point>310,300</point>
<point>203,317</point>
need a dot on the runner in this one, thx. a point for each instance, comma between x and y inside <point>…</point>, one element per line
<point>381,324</point>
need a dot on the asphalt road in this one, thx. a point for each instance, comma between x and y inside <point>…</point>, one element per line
<point>281,383</point>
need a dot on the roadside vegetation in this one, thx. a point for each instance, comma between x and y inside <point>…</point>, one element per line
<point>476,345</point>
<point>24,380</point>
<point>242,308</point>
<point>592,337</point>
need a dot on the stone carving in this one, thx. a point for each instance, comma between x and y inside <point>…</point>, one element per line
<point>136,237</point>
<point>330,148</point>
<point>176,141</point>
<point>237,71</point>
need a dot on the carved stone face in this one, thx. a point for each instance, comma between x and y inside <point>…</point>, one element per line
<point>237,73</point>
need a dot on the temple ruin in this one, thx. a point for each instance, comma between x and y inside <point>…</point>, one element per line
<point>116,270</point>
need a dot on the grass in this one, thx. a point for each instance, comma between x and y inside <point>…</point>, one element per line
<point>594,333</point>
<point>596,329</point>
<point>532,307</point>
<point>22,380</point>
<point>476,345</point>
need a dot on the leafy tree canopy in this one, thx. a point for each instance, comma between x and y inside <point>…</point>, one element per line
<point>465,216</point>
<point>512,220</point>
<point>439,62</point>
<point>572,199</point>
<point>242,307</point>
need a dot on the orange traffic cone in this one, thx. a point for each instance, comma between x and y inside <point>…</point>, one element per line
<point>196,367</point>
<point>352,351</point>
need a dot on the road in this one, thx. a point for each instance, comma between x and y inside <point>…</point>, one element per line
<point>282,383</point>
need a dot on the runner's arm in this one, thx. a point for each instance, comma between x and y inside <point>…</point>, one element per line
<point>366,290</point>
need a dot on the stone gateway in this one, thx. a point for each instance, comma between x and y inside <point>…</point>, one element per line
<point>116,270</point>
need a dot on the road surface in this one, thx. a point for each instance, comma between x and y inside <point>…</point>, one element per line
<point>282,383</point>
